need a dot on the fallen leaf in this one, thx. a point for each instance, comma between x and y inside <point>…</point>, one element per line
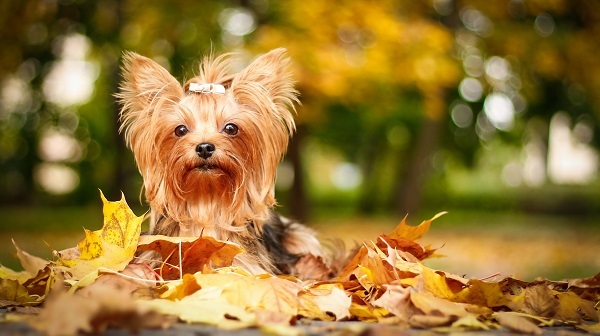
<point>205,306</point>
<point>436,282</point>
<point>401,244</point>
<point>272,293</point>
<point>12,291</point>
<point>413,233</point>
<point>572,307</point>
<point>469,322</point>
<point>72,314</point>
<point>487,294</point>
<point>537,300</point>
<point>429,321</point>
<point>396,300</point>
<point>431,305</point>
<point>136,279</point>
<point>402,233</point>
<point>514,322</point>
<point>337,302</point>
<point>31,264</point>
<point>111,247</point>
<point>196,253</point>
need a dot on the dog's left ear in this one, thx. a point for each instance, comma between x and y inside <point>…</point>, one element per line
<point>144,81</point>
<point>268,74</point>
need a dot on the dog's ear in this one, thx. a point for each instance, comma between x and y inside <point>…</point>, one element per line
<point>146,89</point>
<point>268,74</point>
<point>144,82</point>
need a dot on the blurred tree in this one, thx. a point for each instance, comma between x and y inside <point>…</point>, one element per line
<point>386,83</point>
<point>515,60</point>
<point>37,37</point>
<point>366,58</point>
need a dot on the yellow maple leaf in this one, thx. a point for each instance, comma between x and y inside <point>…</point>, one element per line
<point>215,298</point>
<point>574,308</point>
<point>111,247</point>
<point>413,233</point>
<point>13,291</point>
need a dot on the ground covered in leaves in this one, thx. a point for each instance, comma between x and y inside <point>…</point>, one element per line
<point>100,284</point>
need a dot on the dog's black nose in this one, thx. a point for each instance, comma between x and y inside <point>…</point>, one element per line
<point>205,150</point>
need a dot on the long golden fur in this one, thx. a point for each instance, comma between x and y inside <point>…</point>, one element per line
<point>227,192</point>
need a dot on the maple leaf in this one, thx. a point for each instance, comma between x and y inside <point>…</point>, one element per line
<point>337,302</point>
<point>431,305</point>
<point>571,307</point>
<point>216,298</point>
<point>196,253</point>
<point>396,300</point>
<point>13,292</point>
<point>413,233</point>
<point>308,307</point>
<point>537,300</point>
<point>486,294</point>
<point>111,247</point>
<point>31,264</point>
<point>270,293</point>
<point>402,238</point>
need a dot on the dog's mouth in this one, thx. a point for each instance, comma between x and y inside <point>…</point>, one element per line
<point>207,167</point>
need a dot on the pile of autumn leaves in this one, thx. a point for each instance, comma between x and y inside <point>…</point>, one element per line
<point>100,284</point>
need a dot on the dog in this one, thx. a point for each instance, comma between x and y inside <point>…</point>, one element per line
<point>208,153</point>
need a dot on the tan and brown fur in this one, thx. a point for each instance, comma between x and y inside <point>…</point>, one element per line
<point>229,195</point>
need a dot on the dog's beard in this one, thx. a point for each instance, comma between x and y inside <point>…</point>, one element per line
<point>204,193</point>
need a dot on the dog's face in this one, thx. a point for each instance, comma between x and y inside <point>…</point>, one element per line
<point>211,146</point>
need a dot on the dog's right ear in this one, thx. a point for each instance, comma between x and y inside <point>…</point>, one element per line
<point>144,84</point>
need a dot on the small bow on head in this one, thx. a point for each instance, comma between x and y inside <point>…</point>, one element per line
<point>206,88</point>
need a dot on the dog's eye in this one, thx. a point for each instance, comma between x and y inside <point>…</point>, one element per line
<point>231,129</point>
<point>181,130</point>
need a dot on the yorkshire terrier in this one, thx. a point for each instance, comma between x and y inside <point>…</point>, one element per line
<point>208,153</point>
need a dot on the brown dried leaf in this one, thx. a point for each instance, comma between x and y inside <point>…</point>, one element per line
<point>31,264</point>
<point>536,300</point>
<point>131,280</point>
<point>71,314</point>
<point>337,303</point>
<point>431,305</point>
<point>520,324</point>
<point>405,245</point>
<point>396,300</point>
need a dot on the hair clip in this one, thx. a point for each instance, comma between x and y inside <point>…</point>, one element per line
<point>206,88</point>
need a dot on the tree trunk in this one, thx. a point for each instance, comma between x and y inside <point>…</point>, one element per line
<point>298,198</point>
<point>410,193</point>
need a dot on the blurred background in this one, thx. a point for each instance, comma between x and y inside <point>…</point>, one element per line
<point>485,109</point>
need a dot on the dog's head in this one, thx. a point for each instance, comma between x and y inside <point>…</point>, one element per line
<point>214,142</point>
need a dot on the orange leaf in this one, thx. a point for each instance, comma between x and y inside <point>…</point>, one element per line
<point>195,253</point>
<point>413,233</point>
